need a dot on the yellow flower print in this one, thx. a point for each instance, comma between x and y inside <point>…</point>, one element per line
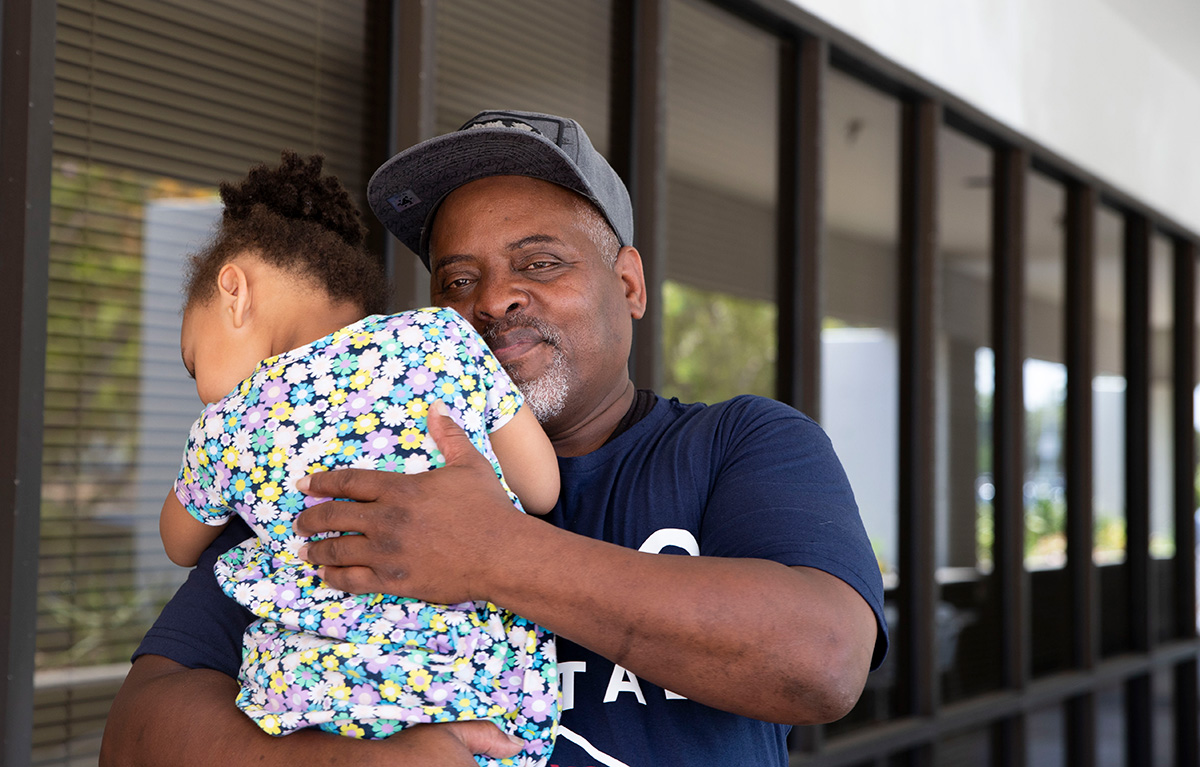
<point>334,447</point>
<point>337,396</point>
<point>230,456</point>
<point>258,474</point>
<point>270,724</point>
<point>360,380</point>
<point>435,362</point>
<point>344,650</point>
<point>352,730</point>
<point>417,408</point>
<point>277,682</point>
<point>331,663</point>
<point>467,383</point>
<point>437,623</point>
<point>366,423</point>
<point>341,692</point>
<point>411,438</point>
<point>389,690</point>
<point>419,679</point>
<point>361,339</point>
<point>333,610</point>
<point>270,492</point>
<point>477,401</point>
<point>202,457</point>
<point>277,457</point>
<point>308,655</point>
<point>281,411</point>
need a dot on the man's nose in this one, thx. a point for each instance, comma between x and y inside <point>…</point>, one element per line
<point>499,297</point>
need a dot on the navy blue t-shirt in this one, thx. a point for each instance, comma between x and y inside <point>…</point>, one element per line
<point>749,477</point>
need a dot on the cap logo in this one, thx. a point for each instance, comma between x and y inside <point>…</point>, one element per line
<point>501,123</point>
<point>403,201</point>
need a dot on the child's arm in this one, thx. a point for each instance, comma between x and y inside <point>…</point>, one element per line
<point>183,536</point>
<point>528,461</point>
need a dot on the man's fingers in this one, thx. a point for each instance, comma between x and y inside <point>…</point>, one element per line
<point>449,437</point>
<point>485,739</point>
<point>333,517</point>
<point>355,484</point>
<point>353,580</point>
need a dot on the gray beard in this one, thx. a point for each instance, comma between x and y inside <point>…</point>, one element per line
<point>546,395</point>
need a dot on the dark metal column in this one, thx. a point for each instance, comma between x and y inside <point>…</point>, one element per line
<point>1083,589</point>
<point>1010,171</point>
<point>801,223</point>
<point>26,131</point>
<point>918,683</point>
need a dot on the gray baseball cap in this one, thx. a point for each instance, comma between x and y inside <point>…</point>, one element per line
<point>406,190</point>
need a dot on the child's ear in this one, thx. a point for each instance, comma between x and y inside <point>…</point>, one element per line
<point>233,288</point>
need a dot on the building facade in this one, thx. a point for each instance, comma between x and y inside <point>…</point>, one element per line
<point>963,239</point>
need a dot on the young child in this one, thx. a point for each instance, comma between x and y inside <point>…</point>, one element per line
<point>282,333</point>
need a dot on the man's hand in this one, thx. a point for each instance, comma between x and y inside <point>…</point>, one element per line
<point>428,536</point>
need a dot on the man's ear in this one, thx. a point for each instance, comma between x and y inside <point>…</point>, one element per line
<point>233,292</point>
<point>629,270</point>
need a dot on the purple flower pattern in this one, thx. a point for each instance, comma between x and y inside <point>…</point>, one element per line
<point>364,665</point>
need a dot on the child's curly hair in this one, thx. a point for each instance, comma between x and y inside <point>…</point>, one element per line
<point>293,219</point>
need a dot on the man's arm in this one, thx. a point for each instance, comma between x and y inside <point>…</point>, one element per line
<point>750,636</point>
<point>168,714</point>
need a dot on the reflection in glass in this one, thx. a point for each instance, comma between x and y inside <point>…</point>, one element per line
<point>859,350</point>
<point>967,650</point>
<point>1044,377</point>
<point>1045,738</point>
<point>1162,439</point>
<point>719,312</point>
<point>1108,391</point>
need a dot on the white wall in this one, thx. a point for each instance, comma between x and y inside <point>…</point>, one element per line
<point>1111,85</point>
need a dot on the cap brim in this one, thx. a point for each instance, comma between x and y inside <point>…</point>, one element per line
<point>406,190</point>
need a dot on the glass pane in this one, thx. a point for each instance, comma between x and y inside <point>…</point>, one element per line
<point>968,638</point>
<point>142,136</point>
<point>1110,727</point>
<point>1164,717</point>
<point>973,748</point>
<point>1046,738</point>
<point>859,341</point>
<point>1108,390</point>
<point>1045,385</point>
<point>719,312</point>
<point>1108,430</point>
<point>508,54</point>
<point>1162,439</point>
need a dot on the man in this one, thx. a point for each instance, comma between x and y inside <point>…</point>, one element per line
<point>706,571</point>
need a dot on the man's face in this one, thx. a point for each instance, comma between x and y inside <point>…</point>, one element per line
<point>517,258</point>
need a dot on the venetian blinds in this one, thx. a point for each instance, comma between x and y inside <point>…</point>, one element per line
<point>156,101</point>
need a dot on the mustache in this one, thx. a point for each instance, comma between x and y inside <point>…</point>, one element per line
<point>497,328</point>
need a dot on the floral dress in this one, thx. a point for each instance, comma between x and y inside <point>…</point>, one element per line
<point>362,665</point>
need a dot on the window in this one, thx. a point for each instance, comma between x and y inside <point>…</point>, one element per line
<point>154,105</point>
<point>719,313</point>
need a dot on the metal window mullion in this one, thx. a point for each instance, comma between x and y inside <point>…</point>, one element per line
<point>918,680</point>
<point>1083,589</point>
<point>801,225</point>
<point>411,118</point>
<point>1009,177</point>
<point>1187,686</point>
<point>639,139</point>
<point>27,32</point>
<point>1139,704</point>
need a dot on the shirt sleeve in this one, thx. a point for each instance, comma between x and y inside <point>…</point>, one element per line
<point>781,494</point>
<point>201,627</point>
<point>197,486</point>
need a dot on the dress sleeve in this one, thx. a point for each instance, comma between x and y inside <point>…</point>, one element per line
<point>198,485</point>
<point>503,398</point>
